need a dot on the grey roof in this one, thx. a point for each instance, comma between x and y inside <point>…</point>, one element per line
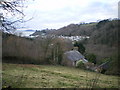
<point>85,61</point>
<point>105,65</point>
<point>74,55</point>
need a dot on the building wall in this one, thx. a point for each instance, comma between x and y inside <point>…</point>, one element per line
<point>67,62</point>
<point>75,48</point>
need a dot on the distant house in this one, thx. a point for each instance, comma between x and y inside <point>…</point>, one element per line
<point>71,57</point>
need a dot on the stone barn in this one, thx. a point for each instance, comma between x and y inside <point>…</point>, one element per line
<point>71,57</point>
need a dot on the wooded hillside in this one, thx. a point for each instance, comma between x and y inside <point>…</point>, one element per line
<point>102,44</point>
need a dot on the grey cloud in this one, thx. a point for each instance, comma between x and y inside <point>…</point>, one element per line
<point>94,11</point>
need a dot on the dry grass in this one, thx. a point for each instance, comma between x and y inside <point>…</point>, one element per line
<point>48,76</point>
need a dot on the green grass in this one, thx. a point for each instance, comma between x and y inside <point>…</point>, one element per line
<point>48,76</point>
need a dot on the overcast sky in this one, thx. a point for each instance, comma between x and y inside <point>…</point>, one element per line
<point>54,14</point>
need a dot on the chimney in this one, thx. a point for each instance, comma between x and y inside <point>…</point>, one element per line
<point>75,48</point>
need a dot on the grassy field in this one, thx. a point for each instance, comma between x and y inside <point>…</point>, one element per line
<point>48,76</point>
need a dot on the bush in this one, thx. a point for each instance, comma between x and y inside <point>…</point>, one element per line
<point>104,60</point>
<point>114,69</point>
<point>80,64</point>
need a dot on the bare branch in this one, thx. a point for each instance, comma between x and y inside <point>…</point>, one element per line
<point>13,7</point>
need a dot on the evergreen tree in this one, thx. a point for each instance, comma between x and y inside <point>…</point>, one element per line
<point>80,46</point>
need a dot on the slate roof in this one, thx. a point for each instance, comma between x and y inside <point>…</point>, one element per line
<point>105,65</point>
<point>74,55</point>
<point>85,61</point>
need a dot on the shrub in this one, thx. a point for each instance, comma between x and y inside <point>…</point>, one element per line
<point>80,64</point>
<point>114,69</point>
<point>104,60</point>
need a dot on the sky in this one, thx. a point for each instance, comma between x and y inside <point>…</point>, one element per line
<point>119,10</point>
<point>54,14</point>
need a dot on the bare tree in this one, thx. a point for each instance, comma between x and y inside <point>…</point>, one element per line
<point>12,7</point>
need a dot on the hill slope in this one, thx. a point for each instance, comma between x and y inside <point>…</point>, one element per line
<point>103,41</point>
<point>70,30</point>
<point>48,76</point>
<point>102,32</point>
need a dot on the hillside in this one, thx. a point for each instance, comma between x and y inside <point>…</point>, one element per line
<point>103,41</point>
<point>39,50</point>
<point>102,44</point>
<point>102,32</point>
<point>106,32</point>
<point>75,30</point>
<point>70,30</point>
<point>49,76</point>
